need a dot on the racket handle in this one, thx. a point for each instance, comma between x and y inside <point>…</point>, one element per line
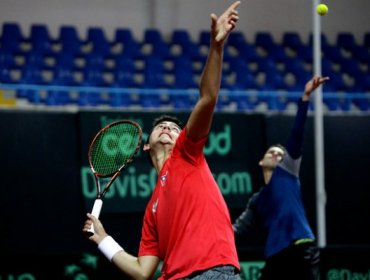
<point>96,213</point>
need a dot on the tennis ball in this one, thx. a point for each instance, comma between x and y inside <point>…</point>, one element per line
<point>322,9</point>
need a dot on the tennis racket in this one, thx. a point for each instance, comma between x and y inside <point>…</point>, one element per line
<point>113,148</point>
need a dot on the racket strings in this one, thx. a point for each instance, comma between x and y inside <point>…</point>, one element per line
<point>114,147</point>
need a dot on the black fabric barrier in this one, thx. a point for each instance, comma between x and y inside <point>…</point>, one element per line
<point>337,263</point>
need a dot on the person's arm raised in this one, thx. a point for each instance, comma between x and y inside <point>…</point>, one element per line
<point>200,119</point>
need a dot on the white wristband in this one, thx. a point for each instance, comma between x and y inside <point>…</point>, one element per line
<point>109,247</point>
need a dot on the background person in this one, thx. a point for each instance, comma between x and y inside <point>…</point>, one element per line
<point>277,210</point>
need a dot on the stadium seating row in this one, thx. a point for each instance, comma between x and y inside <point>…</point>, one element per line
<point>176,62</point>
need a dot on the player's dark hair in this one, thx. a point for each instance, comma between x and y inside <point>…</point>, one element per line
<point>167,118</point>
<point>163,118</point>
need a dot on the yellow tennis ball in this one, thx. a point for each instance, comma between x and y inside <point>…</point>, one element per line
<point>322,9</point>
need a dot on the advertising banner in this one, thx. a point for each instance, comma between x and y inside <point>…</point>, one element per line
<point>232,152</point>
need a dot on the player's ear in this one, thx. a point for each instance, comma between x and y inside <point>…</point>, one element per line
<point>146,147</point>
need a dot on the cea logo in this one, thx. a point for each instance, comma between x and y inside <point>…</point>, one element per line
<point>113,144</point>
<point>251,270</point>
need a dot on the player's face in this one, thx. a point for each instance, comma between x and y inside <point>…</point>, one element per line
<point>166,133</point>
<point>272,157</point>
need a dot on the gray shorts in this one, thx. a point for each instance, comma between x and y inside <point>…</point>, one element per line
<point>225,272</point>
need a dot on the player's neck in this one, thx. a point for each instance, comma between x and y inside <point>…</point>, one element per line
<point>159,159</point>
<point>267,173</point>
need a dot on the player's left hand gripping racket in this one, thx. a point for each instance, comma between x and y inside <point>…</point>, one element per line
<point>113,148</point>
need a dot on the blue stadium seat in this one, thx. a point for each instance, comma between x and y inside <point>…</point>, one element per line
<point>292,40</point>
<point>161,49</point>
<point>31,74</point>
<point>94,61</point>
<point>351,67</point>
<point>327,67</point>
<point>333,53</point>
<point>264,40</point>
<point>57,98</point>
<point>154,79</point>
<point>247,52</point>
<point>101,44</point>
<point>237,39</point>
<point>334,103</point>
<point>266,64</point>
<point>245,80</point>
<point>346,41</point>
<point>63,76</point>
<point>274,81</point>
<point>204,38</point>
<point>154,64</point>
<point>189,48</point>
<point>124,77</point>
<point>124,62</point>
<point>69,39</point>
<point>183,63</point>
<point>40,39</point>
<point>305,53</point>
<point>362,104</point>
<point>65,60</point>
<point>294,65</point>
<point>275,102</point>
<point>120,99</point>
<point>277,53</point>
<point>93,77</point>
<point>35,59</point>
<point>5,75</point>
<point>181,37</point>
<point>124,36</point>
<point>153,36</point>
<point>323,39</point>
<point>238,65</point>
<point>182,101</point>
<point>363,81</point>
<point>184,80</point>
<point>362,54</point>
<point>301,79</point>
<point>150,101</point>
<point>244,103</point>
<point>131,47</point>
<point>89,99</point>
<point>336,82</point>
<point>7,59</point>
<point>11,37</point>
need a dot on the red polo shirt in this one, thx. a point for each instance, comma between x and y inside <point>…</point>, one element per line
<point>187,222</point>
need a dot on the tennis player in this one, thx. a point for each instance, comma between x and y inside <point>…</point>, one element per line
<point>277,209</point>
<point>186,222</point>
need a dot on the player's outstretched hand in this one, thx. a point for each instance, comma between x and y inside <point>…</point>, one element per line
<point>313,84</point>
<point>224,24</point>
<point>99,234</point>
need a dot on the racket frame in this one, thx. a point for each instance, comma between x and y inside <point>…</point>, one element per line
<point>98,203</point>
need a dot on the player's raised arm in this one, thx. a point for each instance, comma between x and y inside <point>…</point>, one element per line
<point>200,120</point>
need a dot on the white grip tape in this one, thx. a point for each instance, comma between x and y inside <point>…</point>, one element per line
<point>97,207</point>
<point>95,212</point>
<point>109,247</point>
